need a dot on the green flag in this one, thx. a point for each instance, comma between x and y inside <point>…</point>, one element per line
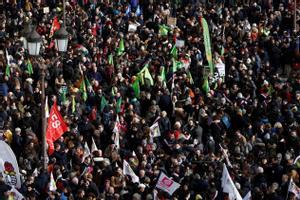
<point>163,30</point>
<point>88,85</point>
<point>148,76</point>
<point>174,52</point>
<point>118,106</point>
<point>110,59</point>
<point>83,90</point>
<point>8,60</point>
<point>73,104</point>
<point>207,45</point>
<point>136,88</point>
<point>176,65</point>
<point>121,47</point>
<point>163,74</point>
<point>114,90</point>
<point>7,70</point>
<point>189,75</point>
<point>222,51</point>
<point>141,75</point>
<point>205,85</point>
<point>29,67</point>
<point>179,64</point>
<point>103,103</point>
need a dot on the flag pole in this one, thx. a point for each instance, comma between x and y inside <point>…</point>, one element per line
<point>44,145</point>
<point>64,12</point>
<point>287,194</point>
<point>295,15</point>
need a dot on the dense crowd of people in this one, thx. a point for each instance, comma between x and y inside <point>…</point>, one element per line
<point>250,115</point>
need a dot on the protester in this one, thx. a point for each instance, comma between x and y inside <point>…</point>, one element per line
<point>138,85</point>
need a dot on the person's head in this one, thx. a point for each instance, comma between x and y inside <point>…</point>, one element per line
<point>163,114</point>
<point>142,187</point>
<point>80,193</point>
<point>119,171</point>
<point>57,146</point>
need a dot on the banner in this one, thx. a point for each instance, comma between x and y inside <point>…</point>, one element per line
<point>207,44</point>
<point>9,168</point>
<point>167,184</point>
<point>127,170</point>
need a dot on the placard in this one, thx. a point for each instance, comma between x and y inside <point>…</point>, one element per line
<point>171,21</point>
<point>46,10</point>
<point>179,43</point>
<point>132,27</point>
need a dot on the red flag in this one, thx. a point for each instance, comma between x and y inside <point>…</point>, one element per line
<point>51,44</point>
<point>55,26</point>
<point>56,127</point>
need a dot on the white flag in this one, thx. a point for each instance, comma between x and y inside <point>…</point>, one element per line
<point>167,184</point>
<point>248,196</point>
<point>15,194</point>
<point>228,185</point>
<point>293,188</point>
<point>116,135</point>
<point>35,172</point>
<point>47,108</point>
<point>296,160</point>
<point>86,152</point>
<point>52,186</point>
<point>154,130</point>
<point>155,197</point>
<point>127,170</point>
<point>133,153</point>
<point>94,146</point>
<point>9,168</point>
<point>9,58</point>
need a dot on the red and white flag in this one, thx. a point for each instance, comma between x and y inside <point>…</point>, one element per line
<point>55,26</point>
<point>56,127</point>
<point>167,184</point>
<point>293,188</point>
